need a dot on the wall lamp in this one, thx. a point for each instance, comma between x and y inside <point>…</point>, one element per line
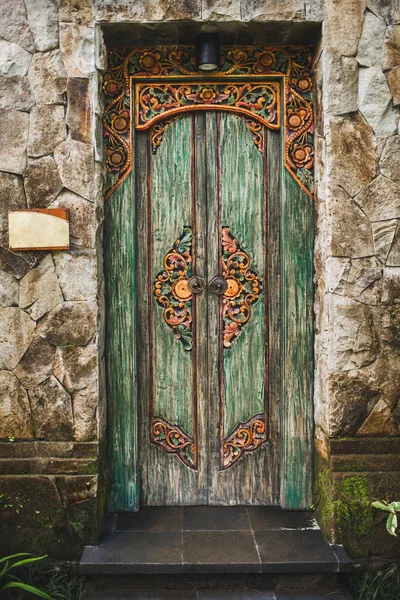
<point>207,51</point>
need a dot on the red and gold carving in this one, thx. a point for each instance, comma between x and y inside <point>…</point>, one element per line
<point>243,287</point>
<point>173,440</point>
<point>171,288</point>
<point>291,63</point>
<point>246,437</point>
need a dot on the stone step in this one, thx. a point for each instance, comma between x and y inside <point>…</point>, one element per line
<point>213,540</point>
<point>210,595</point>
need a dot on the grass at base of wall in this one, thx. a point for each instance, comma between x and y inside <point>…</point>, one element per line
<point>61,582</point>
<point>377,586</point>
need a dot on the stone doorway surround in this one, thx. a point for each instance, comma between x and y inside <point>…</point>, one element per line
<point>52,372</point>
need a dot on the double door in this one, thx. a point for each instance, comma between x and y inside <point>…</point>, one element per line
<point>207,316</point>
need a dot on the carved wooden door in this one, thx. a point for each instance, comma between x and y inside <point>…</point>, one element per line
<point>207,194</point>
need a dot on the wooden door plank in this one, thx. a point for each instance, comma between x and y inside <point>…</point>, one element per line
<point>167,386</point>
<point>236,177</point>
<point>297,230</point>
<point>120,348</point>
<point>200,308</point>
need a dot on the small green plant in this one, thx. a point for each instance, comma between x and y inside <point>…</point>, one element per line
<point>377,586</point>
<point>392,508</point>
<point>8,563</point>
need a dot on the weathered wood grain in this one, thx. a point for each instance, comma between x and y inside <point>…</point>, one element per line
<point>120,348</point>
<point>297,227</point>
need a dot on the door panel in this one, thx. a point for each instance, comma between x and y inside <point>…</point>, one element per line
<point>203,358</point>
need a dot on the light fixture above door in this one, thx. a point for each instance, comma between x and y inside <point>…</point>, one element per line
<point>207,51</point>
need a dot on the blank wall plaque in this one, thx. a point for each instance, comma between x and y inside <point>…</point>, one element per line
<point>39,229</point>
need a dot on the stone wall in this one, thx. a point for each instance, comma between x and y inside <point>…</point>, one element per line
<point>52,405</point>
<point>51,398</point>
<point>357,262</point>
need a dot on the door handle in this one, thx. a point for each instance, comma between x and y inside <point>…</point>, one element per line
<point>196,284</point>
<point>218,285</point>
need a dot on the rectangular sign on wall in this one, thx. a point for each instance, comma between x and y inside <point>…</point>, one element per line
<point>39,229</point>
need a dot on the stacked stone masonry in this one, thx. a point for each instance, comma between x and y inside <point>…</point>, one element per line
<point>52,401</point>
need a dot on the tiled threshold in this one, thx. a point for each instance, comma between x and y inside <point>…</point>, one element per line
<point>211,540</point>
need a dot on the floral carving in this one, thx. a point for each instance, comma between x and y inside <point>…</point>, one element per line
<point>172,439</point>
<point>258,101</point>
<point>246,437</point>
<point>171,288</point>
<point>292,63</point>
<point>243,287</point>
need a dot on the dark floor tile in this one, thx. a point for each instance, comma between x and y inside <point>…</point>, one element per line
<point>263,518</point>
<point>141,595</point>
<point>215,518</point>
<point>220,552</point>
<point>152,518</point>
<point>343,558</point>
<point>295,552</point>
<point>109,523</point>
<point>235,595</point>
<point>327,596</point>
<point>125,552</point>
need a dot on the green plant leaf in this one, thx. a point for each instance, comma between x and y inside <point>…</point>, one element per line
<point>395,505</point>
<point>5,558</point>
<point>380,505</point>
<point>27,561</point>
<point>391,524</point>
<point>4,570</point>
<point>26,588</point>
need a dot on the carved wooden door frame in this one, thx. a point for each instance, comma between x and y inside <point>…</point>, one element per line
<point>168,84</point>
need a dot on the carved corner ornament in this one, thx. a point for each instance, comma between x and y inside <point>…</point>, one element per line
<point>158,100</point>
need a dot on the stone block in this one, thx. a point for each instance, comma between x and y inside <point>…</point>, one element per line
<point>374,100</point>
<point>361,279</point>
<point>16,333</point>
<point>391,285</point>
<point>314,10</point>
<point>342,85</point>
<point>343,34</point>
<point>37,363</point>
<point>280,10</point>
<point>48,77</point>
<point>42,182</point>
<point>354,340</point>
<point>14,24</point>
<point>389,334</point>
<point>351,230</point>
<point>81,12</point>
<point>46,129</point>
<point>82,218</point>
<point>9,290</point>
<point>147,10</point>
<point>43,22</point>
<point>15,414</point>
<point>12,196</point>
<point>380,422</point>
<point>380,200</point>
<point>15,92</point>
<point>51,411</point>
<point>75,162</point>
<point>388,10</point>
<point>370,48</point>
<point>74,490</point>
<point>13,140</point>
<point>77,275</point>
<point>393,79</point>
<point>39,290</point>
<point>351,151</point>
<point>76,366</point>
<point>389,163</point>
<point>383,233</point>
<point>70,323</point>
<point>14,60</point>
<point>351,401</point>
<point>79,109</point>
<point>85,404</point>
<point>12,263</point>
<point>393,259</point>
<point>77,48</point>
<point>391,49</point>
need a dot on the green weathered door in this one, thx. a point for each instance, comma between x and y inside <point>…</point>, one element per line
<point>207,310</point>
